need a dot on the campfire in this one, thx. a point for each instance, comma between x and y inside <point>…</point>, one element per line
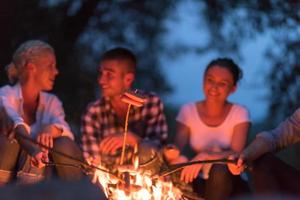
<point>135,182</point>
<point>138,172</point>
<point>135,176</point>
<point>141,172</point>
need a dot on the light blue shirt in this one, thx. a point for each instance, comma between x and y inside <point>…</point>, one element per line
<point>49,111</point>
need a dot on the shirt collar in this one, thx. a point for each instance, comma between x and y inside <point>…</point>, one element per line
<point>18,91</point>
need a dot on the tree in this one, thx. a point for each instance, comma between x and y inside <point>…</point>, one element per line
<point>230,22</point>
<point>79,31</point>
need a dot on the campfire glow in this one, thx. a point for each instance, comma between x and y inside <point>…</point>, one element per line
<point>130,182</point>
<point>134,184</point>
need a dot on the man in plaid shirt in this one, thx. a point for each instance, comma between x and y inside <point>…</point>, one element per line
<point>103,123</point>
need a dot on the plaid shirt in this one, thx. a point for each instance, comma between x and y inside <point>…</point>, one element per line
<point>100,120</point>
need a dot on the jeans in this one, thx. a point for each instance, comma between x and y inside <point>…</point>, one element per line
<point>221,184</point>
<point>272,176</point>
<point>15,162</point>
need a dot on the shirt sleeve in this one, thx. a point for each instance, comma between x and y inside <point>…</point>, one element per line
<point>90,130</point>
<point>11,109</point>
<point>157,129</point>
<point>286,133</point>
<point>57,117</point>
<point>242,115</point>
<point>183,115</point>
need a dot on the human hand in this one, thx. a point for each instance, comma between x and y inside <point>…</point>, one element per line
<point>171,152</point>
<point>94,161</point>
<point>45,139</point>
<point>39,159</point>
<point>110,144</point>
<point>19,131</point>
<point>238,167</point>
<point>189,173</point>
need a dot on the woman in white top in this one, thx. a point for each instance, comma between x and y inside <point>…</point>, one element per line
<point>26,110</point>
<point>214,128</point>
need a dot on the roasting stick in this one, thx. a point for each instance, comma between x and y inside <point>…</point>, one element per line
<point>125,134</point>
<point>81,164</point>
<point>132,99</point>
<point>176,167</point>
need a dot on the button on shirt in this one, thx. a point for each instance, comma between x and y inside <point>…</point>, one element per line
<point>100,120</point>
<point>49,111</point>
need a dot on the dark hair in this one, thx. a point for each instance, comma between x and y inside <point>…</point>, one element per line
<point>122,54</point>
<point>229,64</point>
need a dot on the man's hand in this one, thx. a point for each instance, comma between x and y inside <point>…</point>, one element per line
<point>240,166</point>
<point>39,159</point>
<point>111,143</point>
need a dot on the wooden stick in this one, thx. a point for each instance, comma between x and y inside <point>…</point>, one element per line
<point>176,167</point>
<point>81,164</point>
<point>125,134</point>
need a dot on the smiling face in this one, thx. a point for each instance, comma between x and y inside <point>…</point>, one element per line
<point>113,78</point>
<point>218,83</point>
<point>45,71</point>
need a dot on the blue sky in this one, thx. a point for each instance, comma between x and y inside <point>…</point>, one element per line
<point>185,72</point>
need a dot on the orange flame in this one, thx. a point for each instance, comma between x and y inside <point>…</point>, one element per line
<point>141,186</point>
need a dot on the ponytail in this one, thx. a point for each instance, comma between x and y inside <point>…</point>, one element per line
<point>12,73</point>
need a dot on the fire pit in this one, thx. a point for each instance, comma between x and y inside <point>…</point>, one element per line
<point>138,177</point>
<point>138,172</point>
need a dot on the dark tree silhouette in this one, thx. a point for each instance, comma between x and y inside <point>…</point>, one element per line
<point>230,22</point>
<point>79,31</point>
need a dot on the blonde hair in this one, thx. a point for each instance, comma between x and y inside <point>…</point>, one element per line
<point>28,51</point>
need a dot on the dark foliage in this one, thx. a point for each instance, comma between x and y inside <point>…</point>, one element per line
<point>79,31</point>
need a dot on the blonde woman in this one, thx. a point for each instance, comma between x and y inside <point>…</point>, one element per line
<point>28,110</point>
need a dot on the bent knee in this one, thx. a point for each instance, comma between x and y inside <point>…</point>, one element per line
<point>67,146</point>
<point>62,143</point>
<point>219,173</point>
<point>219,169</point>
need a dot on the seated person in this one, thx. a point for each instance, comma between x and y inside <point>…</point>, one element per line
<point>27,111</point>
<point>103,122</point>
<point>214,128</point>
<point>270,175</point>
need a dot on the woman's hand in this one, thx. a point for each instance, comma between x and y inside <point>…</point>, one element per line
<point>189,173</point>
<point>39,159</point>
<point>45,139</point>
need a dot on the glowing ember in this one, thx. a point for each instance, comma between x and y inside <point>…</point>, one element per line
<point>130,182</point>
<point>135,184</point>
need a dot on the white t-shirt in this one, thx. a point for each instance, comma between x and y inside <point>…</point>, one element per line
<point>211,138</point>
